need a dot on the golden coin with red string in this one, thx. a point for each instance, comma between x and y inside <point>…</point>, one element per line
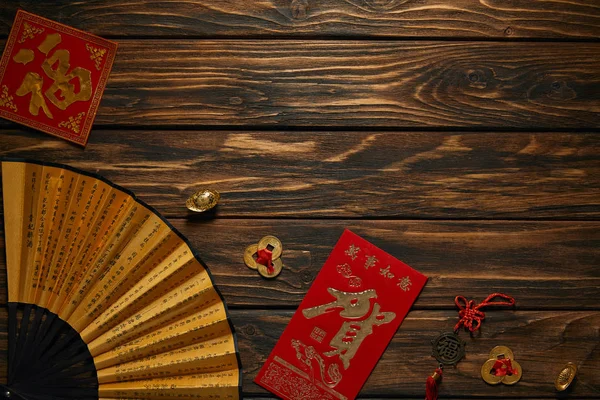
<point>501,367</point>
<point>271,272</point>
<point>501,352</point>
<point>249,254</point>
<point>487,373</point>
<point>513,376</point>
<point>272,244</point>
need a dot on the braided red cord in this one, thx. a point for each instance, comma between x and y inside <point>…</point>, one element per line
<point>471,315</point>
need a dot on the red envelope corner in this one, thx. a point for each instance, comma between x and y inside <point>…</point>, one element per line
<point>342,327</point>
<point>52,77</point>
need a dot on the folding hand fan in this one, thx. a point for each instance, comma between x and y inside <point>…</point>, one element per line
<point>106,300</point>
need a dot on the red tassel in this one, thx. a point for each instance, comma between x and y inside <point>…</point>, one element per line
<point>431,387</point>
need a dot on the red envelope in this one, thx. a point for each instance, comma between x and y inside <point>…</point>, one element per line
<point>52,77</point>
<point>351,312</point>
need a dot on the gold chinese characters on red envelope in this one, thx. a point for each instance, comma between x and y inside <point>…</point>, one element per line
<point>52,77</point>
<point>342,327</point>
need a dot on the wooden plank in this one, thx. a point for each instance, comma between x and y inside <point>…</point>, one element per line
<point>541,341</point>
<point>544,265</point>
<point>299,18</point>
<point>353,84</point>
<point>343,174</point>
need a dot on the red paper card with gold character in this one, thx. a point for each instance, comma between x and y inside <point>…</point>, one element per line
<point>351,312</point>
<point>52,76</point>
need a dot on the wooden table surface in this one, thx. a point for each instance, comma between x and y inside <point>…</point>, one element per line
<point>460,136</point>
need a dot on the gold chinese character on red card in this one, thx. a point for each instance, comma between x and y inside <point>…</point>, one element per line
<point>52,77</point>
<point>351,312</point>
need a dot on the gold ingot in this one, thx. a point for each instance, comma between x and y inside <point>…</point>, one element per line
<point>499,351</point>
<point>487,375</point>
<point>275,243</point>
<point>203,200</point>
<point>249,256</point>
<point>277,267</point>
<point>565,377</point>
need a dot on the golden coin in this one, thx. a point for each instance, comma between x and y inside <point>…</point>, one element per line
<point>203,200</point>
<point>565,377</point>
<point>249,256</point>
<point>277,267</point>
<point>516,377</point>
<point>487,375</point>
<point>499,351</point>
<point>274,243</point>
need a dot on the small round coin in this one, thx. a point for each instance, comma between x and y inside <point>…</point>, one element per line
<point>203,200</point>
<point>501,352</point>
<point>249,256</point>
<point>565,377</point>
<point>448,348</point>
<point>516,377</point>
<point>277,267</point>
<point>487,375</point>
<point>272,241</point>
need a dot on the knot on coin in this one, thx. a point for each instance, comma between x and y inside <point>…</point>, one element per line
<point>504,367</point>
<point>501,367</point>
<point>265,257</point>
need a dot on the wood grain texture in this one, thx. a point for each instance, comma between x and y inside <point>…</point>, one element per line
<point>349,18</point>
<point>544,265</point>
<point>541,341</point>
<point>172,83</point>
<point>343,174</point>
<point>459,136</point>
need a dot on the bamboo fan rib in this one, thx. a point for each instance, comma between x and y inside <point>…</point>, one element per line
<point>106,300</point>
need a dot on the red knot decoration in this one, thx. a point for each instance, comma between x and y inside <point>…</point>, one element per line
<point>470,314</point>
